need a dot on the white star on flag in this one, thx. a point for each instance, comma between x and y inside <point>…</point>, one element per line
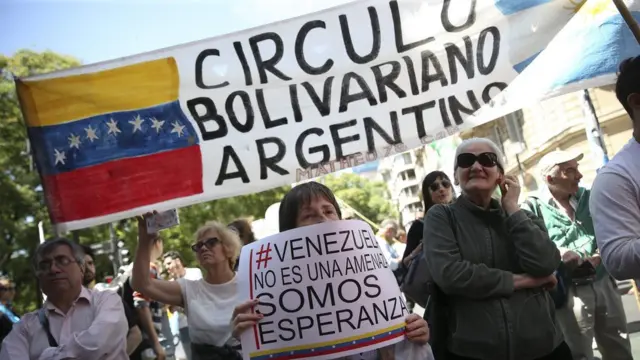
<point>91,133</point>
<point>177,128</point>
<point>137,123</point>
<point>60,156</point>
<point>157,124</point>
<point>74,141</point>
<point>113,127</point>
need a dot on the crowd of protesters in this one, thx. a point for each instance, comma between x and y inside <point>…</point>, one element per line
<point>500,278</point>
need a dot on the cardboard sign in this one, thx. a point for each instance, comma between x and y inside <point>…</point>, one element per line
<point>326,291</point>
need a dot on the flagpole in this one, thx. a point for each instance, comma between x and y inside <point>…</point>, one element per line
<point>628,18</point>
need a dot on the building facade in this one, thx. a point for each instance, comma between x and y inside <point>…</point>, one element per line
<point>403,174</point>
<point>556,124</point>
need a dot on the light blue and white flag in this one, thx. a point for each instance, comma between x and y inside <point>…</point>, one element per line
<point>586,53</point>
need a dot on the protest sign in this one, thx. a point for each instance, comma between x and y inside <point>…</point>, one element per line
<point>274,105</point>
<point>325,291</point>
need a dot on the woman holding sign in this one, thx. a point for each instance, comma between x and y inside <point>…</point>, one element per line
<point>208,302</point>
<point>494,263</point>
<point>313,203</point>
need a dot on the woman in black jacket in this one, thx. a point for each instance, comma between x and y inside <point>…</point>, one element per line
<point>436,189</point>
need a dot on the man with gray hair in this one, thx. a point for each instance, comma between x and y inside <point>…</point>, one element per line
<point>74,322</point>
<point>388,244</point>
<point>593,307</point>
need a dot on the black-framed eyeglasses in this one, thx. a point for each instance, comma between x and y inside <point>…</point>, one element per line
<point>60,261</point>
<point>209,243</point>
<point>487,159</point>
<point>436,185</point>
<point>7,288</point>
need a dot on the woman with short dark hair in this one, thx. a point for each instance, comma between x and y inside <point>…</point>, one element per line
<point>313,203</point>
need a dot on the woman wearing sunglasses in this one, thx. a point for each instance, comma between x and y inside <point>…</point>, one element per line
<point>436,189</point>
<point>313,203</point>
<point>208,302</point>
<point>494,262</point>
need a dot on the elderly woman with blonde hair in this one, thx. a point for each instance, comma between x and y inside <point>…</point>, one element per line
<point>208,302</point>
<point>494,264</point>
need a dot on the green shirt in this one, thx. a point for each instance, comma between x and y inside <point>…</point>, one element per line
<point>575,235</point>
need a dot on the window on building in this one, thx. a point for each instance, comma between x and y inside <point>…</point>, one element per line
<point>410,191</point>
<point>498,136</point>
<point>514,124</point>
<point>406,157</point>
<point>408,175</point>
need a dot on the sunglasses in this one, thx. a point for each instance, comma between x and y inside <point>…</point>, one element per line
<point>7,288</point>
<point>209,243</point>
<point>436,185</point>
<point>488,159</point>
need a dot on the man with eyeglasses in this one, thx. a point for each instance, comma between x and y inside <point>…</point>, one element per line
<point>74,322</point>
<point>7,316</point>
<point>592,305</point>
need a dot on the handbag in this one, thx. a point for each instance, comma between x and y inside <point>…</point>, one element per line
<point>415,286</point>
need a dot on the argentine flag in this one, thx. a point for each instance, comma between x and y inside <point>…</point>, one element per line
<point>585,53</point>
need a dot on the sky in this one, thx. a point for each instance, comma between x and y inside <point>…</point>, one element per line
<point>98,30</point>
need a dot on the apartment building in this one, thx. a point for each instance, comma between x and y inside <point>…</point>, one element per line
<point>556,124</point>
<point>403,174</point>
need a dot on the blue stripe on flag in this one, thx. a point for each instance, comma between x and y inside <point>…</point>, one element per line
<point>611,42</point>
<point>522,65</point>
<point>510,7</point>
<point>107,137</point>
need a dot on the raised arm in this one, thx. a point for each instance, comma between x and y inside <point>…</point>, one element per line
<point>454,275</point>
<point>537,255</point>
<point>615,212</point>
<point>167,292</point>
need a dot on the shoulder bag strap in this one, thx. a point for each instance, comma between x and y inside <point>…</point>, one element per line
<point>9,314</point>
<point>44,321</point>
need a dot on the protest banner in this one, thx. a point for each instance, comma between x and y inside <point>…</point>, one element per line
<point>278,104</point>
<point>325,291</point>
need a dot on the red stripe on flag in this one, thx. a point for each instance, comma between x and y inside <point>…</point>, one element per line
<point>124,184</point>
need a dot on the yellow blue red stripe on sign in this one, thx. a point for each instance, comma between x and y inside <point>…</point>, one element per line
<point>331,347</point>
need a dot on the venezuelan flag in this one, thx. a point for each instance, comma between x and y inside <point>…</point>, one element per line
<point>112,140</point>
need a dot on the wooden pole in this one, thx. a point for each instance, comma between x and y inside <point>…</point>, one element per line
<point>628,18</point>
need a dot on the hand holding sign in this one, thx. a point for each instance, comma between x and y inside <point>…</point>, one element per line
<point>243,318</point>
<point>417,329</point>
<point>324,291</point>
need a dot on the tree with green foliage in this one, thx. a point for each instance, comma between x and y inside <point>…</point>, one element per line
<point>370,198</point>
<point>22,201</point>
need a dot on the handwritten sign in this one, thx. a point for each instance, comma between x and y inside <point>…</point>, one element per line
<point>266,107</point>
<point>325,291</point>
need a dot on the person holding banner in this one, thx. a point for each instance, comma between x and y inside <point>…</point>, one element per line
<point>208,302</point>
<point>313,203</point>
<point>494,263</point>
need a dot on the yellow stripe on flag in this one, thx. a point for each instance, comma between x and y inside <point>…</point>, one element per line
<point>64,99</point>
